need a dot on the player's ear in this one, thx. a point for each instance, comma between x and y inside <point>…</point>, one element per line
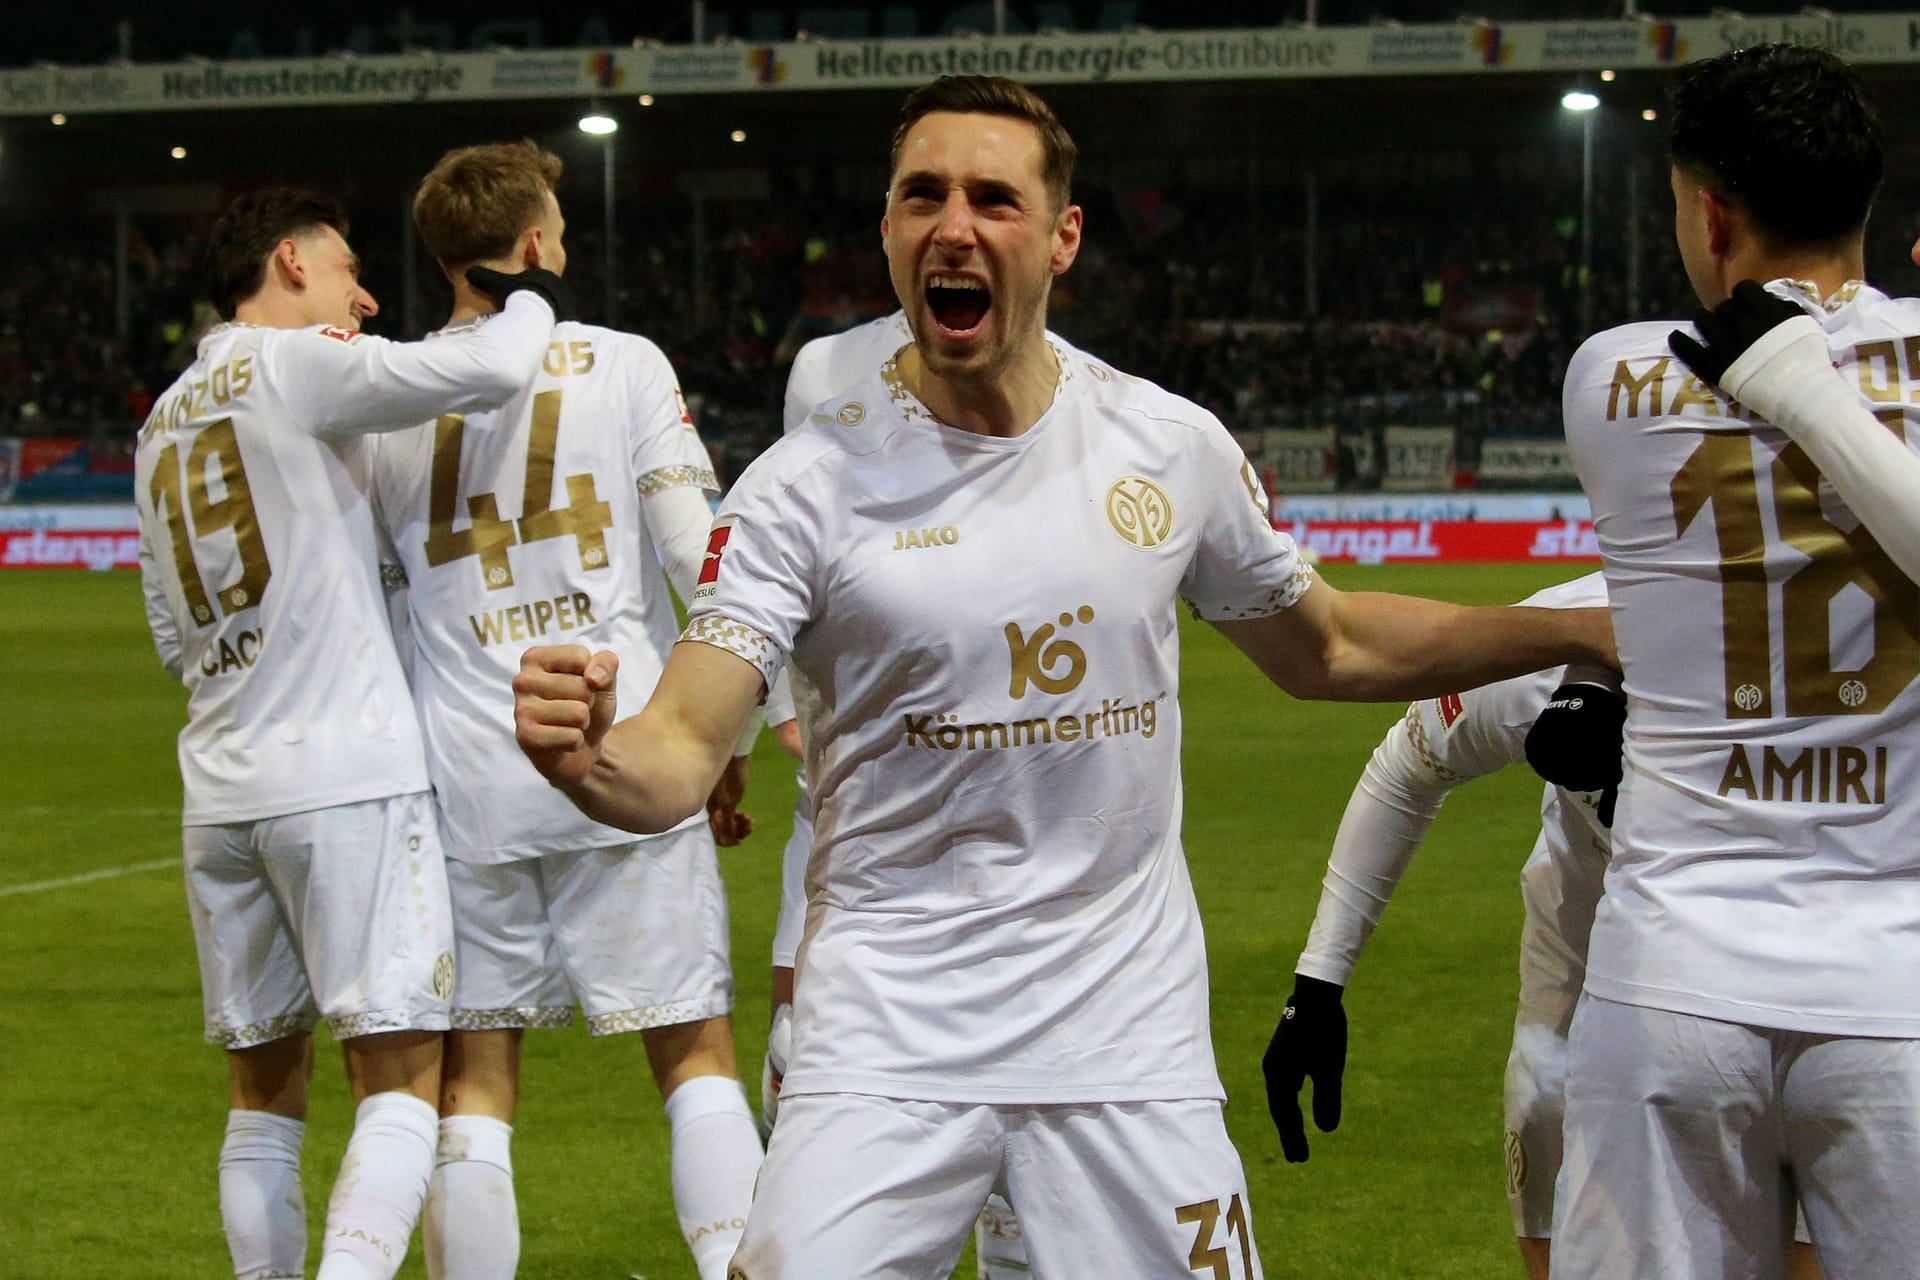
<point>1722,217</point>
<point>531,241</point>
<point>1066,238</point>
<point>287,261</point>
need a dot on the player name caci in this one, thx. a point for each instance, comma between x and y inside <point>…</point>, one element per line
<point>232,655</point>
<point>944,731</point>
<point>1818,775</point>
<point>529,620</point>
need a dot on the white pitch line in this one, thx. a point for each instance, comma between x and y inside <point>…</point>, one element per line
<point>132,868</point>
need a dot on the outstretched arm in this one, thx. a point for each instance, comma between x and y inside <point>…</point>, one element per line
<point>1770,355</point>
<point>652,771</point>
<point>1369,646</point>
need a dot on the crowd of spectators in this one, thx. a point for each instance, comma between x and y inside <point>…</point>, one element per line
<point>1462,311</point>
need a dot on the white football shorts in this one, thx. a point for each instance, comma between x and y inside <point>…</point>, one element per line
<point>1561,894</point>
<point>1687,1138</point>
<point>337,913</point>
<point>864,1188</point>
<point>635,934</point>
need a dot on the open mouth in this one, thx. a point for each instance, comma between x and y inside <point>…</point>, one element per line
<point>958,303</point>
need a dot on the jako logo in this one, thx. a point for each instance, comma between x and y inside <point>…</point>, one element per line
<point>1035,661</point>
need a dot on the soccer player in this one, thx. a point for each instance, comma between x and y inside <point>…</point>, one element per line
<point>1440,744</point>
<point>560,515</point>
<point>821,368</point>
<point>313,869</point>
<point>975,557</point>
<point>1752,1002</point>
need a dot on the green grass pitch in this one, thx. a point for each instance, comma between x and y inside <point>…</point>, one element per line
<point>114,1107</point>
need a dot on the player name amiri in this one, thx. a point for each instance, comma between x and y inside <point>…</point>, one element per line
<point>1811,775</point>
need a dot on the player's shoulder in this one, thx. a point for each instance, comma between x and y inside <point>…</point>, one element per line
<point>844,427</point>
<point>1640,340</point>
<point>826,364</point>
<point>609,343</point>
<point>1870,313</point>
<point>1139,402</point>
<point>1587,591</point>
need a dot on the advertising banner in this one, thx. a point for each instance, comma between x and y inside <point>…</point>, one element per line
<point>1088,57</point>
<point>1298,461</point>
<point>1526,462</point>
<point>1445,541</point>
<point>1418,459</point>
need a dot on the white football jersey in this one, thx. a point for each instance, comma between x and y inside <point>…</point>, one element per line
<point>827,366</point>
<point>821,370</point>
<point>1765,864</point>
<point>999,909</point>
<point>524,526</point>
<point>1439,744</point>
<point>258,553</point>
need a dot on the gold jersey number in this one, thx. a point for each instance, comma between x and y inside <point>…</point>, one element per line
<point>215,447</point>
<point>1722,473</point>
<point>1207,1257</point>
<point>487,536</point>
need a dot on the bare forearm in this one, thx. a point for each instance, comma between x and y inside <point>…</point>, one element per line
<point>1405,647</point>
<point>1368,647</point>
<point>647,778</point>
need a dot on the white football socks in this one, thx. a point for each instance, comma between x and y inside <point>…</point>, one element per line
<point>472,1224</point>
<point>261,1201</point>
<point>379,1190</point>
<point>716,1156</point>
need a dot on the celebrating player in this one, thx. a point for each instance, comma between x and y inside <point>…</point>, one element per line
<point>560,515</point>
<point>1753,984</point>
<point>975,557</point>
<point>313,868</point>
<point>820,369</point>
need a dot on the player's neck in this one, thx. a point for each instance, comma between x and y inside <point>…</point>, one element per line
<point>468,303</point>
<point>1006,405</point>
<point>273,309</point>
<point>1826,269</point>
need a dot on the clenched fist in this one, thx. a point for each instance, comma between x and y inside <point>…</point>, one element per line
<point>563,705</point>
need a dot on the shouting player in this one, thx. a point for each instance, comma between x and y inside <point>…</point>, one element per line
<point>975,557</point>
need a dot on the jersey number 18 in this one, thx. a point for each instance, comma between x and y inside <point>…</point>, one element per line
<point>1838,562</point>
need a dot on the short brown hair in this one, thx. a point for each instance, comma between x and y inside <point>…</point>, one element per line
<point>996,96</point>
<point>475,203</point>
<point>243,239</point>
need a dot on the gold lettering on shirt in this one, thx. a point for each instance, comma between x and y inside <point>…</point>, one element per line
<point>1812,775</point>
<point>531,619</point>
<point>938,536</point>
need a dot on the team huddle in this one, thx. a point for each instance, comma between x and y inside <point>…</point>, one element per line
<point>452,768</point>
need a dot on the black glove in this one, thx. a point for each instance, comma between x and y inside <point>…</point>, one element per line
<point>1309,1044</point>
<point>1575,740</point>
<point>499,285</point>
<point>1730,328</point>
